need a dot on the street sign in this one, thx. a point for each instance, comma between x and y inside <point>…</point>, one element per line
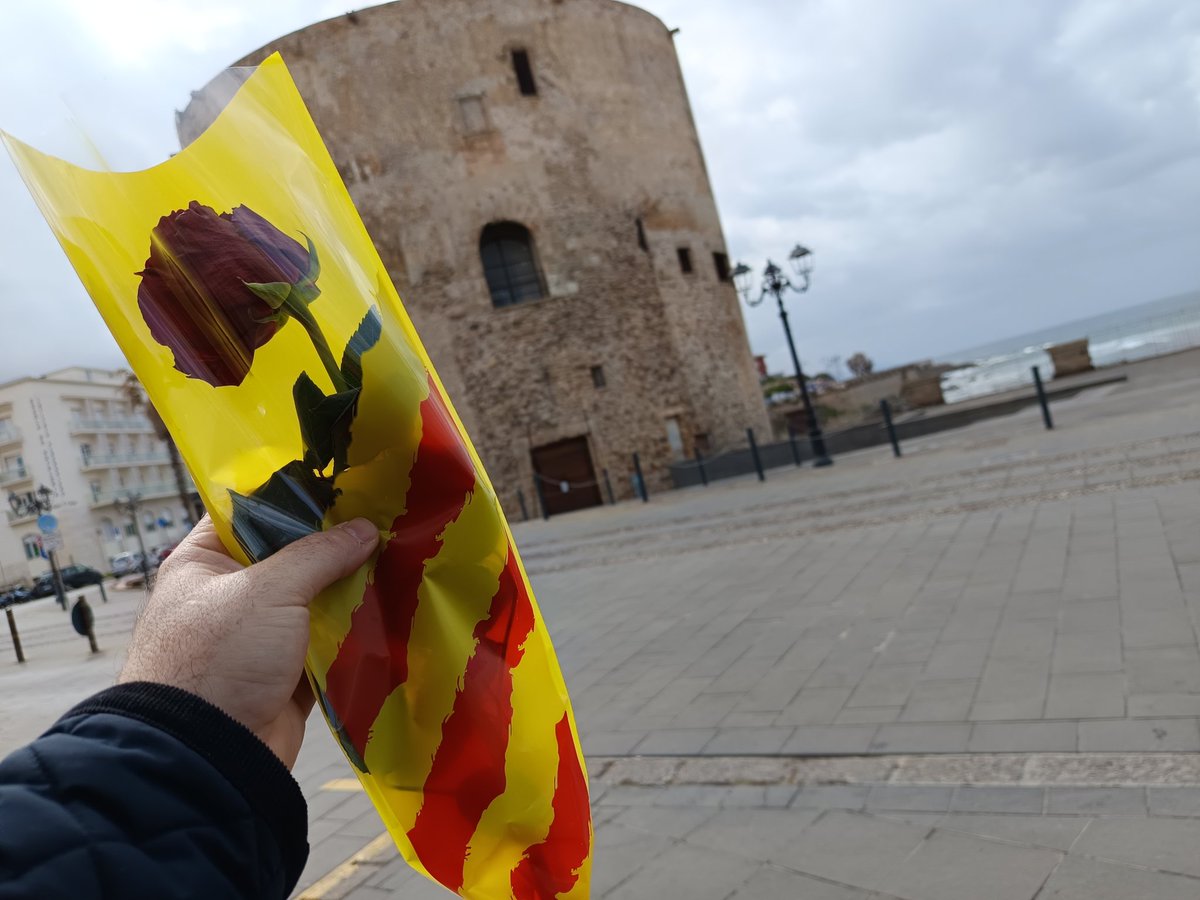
<point>47,523</point>
<point>52,541</point>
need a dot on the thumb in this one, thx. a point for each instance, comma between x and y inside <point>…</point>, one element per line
<point>303,569</point>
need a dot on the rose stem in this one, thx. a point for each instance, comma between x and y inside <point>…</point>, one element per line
<point>301,314</point>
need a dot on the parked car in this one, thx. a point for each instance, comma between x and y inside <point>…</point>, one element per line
<point>15,594</point>
<point>125,563</point>
<point>73,577</point>
<point>161,554</point>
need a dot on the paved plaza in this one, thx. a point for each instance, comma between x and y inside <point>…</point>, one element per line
<point>973,672</point>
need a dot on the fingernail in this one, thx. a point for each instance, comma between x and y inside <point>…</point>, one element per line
<point>364,530</point>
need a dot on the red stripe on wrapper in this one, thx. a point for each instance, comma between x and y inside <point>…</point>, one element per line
<point>551,867</point>
<point>372,660</point>
<point>468,769</point>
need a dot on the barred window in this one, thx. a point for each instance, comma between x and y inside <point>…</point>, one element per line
<point>509,264</point>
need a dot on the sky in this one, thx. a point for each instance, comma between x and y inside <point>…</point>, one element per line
<point>961,172</point>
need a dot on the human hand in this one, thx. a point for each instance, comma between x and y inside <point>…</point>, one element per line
<point>236,636</point>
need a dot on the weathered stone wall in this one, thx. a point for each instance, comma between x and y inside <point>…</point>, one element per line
<point>421,110</point>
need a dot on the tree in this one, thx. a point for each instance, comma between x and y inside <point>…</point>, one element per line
<point>139,400</point>
<point>860,364</point>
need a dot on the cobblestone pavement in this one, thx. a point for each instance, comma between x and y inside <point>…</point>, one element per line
<point>1018,828</point>
<point>990,646</point>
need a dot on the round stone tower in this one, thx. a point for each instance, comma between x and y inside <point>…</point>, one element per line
<point>532,177</point>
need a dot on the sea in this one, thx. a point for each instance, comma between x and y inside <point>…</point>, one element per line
<point>1136,332</point>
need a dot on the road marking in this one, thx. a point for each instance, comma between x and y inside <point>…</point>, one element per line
<point>347,870</point>
<point>343,784</point>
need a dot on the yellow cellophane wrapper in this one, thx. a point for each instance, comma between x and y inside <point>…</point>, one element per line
<point>432,663</point>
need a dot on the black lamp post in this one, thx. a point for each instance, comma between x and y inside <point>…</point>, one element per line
<point>777,284</point>
<point>34,503</point>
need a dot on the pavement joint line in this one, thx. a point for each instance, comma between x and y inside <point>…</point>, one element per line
<point>1162,769</point>
<point>343,872</point>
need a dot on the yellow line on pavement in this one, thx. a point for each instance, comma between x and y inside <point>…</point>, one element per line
<point>342,784</point>
<point>347,870</point>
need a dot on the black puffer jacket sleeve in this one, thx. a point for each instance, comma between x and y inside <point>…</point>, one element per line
<point>146,791</point>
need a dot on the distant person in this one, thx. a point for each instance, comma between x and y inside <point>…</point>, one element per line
<point>176,783</point>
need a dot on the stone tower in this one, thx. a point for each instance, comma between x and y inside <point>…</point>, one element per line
<point>532,177</point>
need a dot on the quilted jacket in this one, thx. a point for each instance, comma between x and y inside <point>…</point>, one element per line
<point>146,791</point>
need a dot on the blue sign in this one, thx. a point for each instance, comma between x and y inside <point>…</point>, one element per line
<point>47,523</point>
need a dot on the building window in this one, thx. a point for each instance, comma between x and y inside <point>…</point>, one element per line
<point>685,259</point>
<point>148,521</point>
<point>525,82</point>
<point>131,529</point>
<point>721,264</point>
<point>166,518</point>
<point>32,545</point>
<point>641,234</point>
<point>506,249</point>
<point>598,380</point>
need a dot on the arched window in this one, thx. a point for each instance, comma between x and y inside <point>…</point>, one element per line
<point>509,263</point>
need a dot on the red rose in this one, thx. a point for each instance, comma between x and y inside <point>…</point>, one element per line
<point>213,287</point>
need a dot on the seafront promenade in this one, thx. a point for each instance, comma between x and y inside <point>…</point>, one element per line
<point>971,672</point>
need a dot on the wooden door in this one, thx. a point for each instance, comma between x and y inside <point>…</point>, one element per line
<point>565,475</point>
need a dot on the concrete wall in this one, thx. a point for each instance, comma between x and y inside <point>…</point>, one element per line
<point>421,110</point>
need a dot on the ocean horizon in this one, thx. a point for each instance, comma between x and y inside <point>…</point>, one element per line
<point>1124,335</point>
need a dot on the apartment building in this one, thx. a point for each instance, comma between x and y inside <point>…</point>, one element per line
<point>77,432</point>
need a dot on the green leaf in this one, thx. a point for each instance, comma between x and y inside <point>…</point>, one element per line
<point>366,336</point>
<point>306,289</point>
<point>324,423</point>
<point>290,505</point>
<point>314,264</point>
<point>273,293</point>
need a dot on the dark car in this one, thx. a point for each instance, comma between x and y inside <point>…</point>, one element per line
<point>15,594</point>
<point>43,585</point>
<point>72,577</point>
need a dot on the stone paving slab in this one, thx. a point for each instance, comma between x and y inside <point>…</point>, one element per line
<point>721,852</point>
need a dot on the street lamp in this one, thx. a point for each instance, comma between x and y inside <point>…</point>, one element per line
<point>130,505</point>
<point>35,503</point>
<point>776,283</point>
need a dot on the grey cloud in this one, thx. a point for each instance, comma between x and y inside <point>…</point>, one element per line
<point>962,171</point>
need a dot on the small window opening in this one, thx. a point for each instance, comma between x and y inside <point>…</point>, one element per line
<point>685,259</point>
<point>524,72</point>
<point>641,234</point>
<point>509,264</point>
<point>598,379</point>
<point>721,264</point>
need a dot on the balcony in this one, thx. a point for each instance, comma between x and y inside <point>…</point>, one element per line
<point>112,460</point>
<point>9,435</point>
<point>123,425</point>
<point>144,491</point>
<point>9,477</point>
<point>19,518</point>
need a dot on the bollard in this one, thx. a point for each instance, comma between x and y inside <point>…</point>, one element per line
<point>16,638</point>
<point>754,454</point>
<point>524,508</point>
<point>612,498</point>
<point>641,481</point>
<point>83,621</point>
<point>700,465</point>
<point>886,409</point>
<point>1041,393</point>
<point>103,593</point>
<point>795,445</point>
